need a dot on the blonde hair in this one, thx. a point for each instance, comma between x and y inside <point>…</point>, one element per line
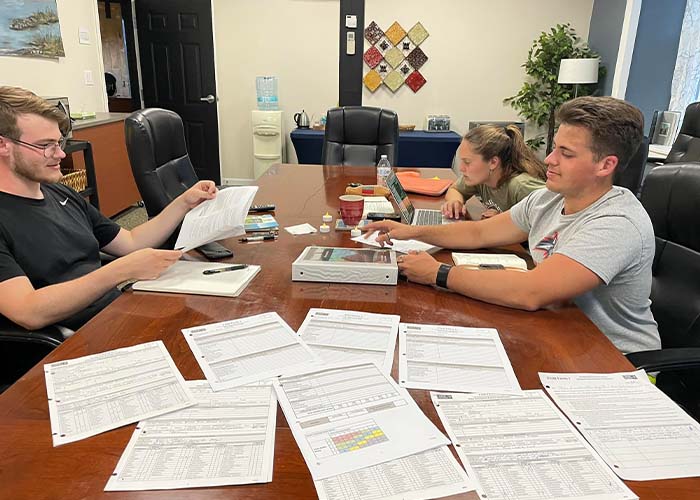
<point>15,101</point>
<point>508,145</point>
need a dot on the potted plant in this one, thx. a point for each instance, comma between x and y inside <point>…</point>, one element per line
<point>541,95</point>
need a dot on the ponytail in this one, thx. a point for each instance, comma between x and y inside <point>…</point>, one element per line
<point>508,145</point>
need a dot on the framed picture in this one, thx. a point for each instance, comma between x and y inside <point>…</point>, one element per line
<point>664,127</point>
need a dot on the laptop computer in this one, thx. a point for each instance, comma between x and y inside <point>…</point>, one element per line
<point>410,214</point>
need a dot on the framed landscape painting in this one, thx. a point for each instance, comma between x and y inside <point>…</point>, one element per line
<point>30,28</point>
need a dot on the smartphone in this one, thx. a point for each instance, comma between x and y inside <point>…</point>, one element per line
<point>214,251</point>
<point>382,216</point>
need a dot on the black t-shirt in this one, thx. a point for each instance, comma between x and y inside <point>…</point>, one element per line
<point>54,240</point>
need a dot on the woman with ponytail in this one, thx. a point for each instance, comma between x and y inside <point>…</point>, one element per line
<point>497,167</point>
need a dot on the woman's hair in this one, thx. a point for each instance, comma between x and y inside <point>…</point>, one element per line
<point>508,145</point>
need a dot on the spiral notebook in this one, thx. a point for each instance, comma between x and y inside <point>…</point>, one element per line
<point>189,277</point>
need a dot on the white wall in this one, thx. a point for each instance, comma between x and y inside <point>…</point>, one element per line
<point>475,49</point>
<point>64,76</point>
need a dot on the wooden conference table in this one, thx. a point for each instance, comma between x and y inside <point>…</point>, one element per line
<point>560,340</point>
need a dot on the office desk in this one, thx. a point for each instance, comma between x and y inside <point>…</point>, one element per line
<point>416,148</point>
<point>553,340</point>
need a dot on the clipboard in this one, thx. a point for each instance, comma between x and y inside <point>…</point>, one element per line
<point>188,277</point>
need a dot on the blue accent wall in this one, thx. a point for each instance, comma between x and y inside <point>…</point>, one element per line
<point>604,36</point>
<point>654,56</point>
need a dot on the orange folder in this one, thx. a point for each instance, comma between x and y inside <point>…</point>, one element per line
<point>412,182</point>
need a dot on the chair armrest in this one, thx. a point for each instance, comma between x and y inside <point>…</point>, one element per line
<point>679,358</point>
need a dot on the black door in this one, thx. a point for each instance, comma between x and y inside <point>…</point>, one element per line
<point>177,69</point>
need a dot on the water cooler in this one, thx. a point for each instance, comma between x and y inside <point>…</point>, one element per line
<point>268,140</point>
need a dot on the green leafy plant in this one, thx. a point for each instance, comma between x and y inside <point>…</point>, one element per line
<point>541,95</point>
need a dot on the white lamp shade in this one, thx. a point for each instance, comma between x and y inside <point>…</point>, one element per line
<point>578,71</point>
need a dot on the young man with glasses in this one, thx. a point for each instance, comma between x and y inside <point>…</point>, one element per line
<point>592,242</point>
<point>50,237</point>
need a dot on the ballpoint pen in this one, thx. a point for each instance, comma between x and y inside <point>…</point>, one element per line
<point>224,269</point>
<point>258,238</point>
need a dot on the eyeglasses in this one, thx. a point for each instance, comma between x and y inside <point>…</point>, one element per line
<point>48,150</point>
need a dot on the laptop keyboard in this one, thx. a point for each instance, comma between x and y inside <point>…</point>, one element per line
<point>428,218</point>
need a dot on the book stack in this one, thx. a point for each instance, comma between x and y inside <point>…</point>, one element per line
<point>261,223</point>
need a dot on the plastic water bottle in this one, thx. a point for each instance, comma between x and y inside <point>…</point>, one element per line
<point>383,170</point>
<point>266,90</point>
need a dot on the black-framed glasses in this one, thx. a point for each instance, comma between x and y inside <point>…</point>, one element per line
<point>48,150</point>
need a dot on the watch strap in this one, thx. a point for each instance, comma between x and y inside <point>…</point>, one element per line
<point>443,272</point>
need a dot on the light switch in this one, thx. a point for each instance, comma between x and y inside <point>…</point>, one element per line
<point>83,36</point>
<point>350,21</point>
<point>88,77</point>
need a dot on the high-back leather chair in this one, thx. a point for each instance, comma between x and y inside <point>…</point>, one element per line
<point>670,196</point>
<point>686,147</point>
<point>631,176</point>
<point>155,142</point>
<point>359,135</point>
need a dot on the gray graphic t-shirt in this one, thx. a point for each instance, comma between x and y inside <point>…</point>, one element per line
<point>613,238</point>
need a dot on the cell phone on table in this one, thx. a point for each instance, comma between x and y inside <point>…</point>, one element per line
<point>384,216</point>
<point>214,251</point>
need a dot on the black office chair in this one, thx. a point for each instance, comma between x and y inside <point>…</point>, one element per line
<point>155,142</point>
<point>21,349</point>
<point>359,135</point>
<point>670,196</point>
<point>686,147</point>
<point>632,175</point>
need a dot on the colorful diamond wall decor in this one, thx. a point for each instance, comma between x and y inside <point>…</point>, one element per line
<point>417,34</point>
<point>393,80</point>
<point>372,57</point>
<point>373,33</point>
<point>415,81</point>
<point>417,58</point>
<point>394,57</point>
<point>395,33</point>
<point>372,80</point>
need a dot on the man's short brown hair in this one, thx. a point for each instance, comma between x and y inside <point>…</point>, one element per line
<point>616,126</point>
<point>15,101</point>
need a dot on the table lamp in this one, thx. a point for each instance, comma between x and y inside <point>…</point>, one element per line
<point>576,71</point>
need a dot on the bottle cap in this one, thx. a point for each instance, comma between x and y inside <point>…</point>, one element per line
<point>327,218</point>
<point>324,228</point>
<point>355,232</point>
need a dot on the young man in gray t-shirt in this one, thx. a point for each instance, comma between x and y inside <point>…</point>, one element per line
<point>592,243</point>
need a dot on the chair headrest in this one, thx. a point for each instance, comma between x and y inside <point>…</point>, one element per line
<point>691,120</point>
<point>671,197</point>
<point>157,131</point>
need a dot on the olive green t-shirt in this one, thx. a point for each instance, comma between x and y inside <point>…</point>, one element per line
<point>504,197</point>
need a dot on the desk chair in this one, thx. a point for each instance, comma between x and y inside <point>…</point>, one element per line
<point>632,175</point>
<point>686,147</point>
<point>670,196</point>
<point>21,349</point>
<point>155,143</point>
<point>359,135</point>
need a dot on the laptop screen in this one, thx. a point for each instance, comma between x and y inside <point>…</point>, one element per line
<point>401,198</point>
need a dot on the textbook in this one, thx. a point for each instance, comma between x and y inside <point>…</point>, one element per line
<point>264,222</point>
<point>489,261</point>
<point>188,277</point>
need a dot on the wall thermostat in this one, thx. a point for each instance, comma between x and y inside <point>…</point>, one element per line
<point>350,47</point>
<point>350,21</point>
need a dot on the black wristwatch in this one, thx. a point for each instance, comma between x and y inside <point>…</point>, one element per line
<point>443,272</point>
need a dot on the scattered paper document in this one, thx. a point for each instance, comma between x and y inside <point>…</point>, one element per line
<point>430,474</point>
<point>638,430</point>
<point>247,350</point>
<point>477,260</point>
<point>401,246</point>
<point>378,204</point>
<point>212,220</point>
<point>188,277</point>
<point>304,228</point>
<point>351,337</point>
<point>351,417</point>
<point>100,392</point>
<point>454,358</point>
<point>520,447</point>
<point>228,437</point>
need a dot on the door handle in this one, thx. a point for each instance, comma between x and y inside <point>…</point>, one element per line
<point>210,99</point>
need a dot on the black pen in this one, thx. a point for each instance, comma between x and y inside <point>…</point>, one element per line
<point>224,269</point>
<point>258,238</point>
